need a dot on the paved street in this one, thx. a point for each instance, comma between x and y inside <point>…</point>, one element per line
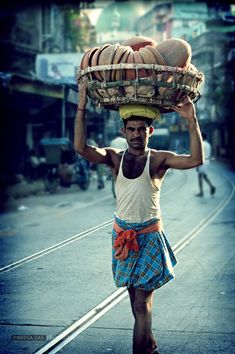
<point>43,295</point>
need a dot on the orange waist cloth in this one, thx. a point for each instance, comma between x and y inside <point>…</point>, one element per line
<point>126,239</point>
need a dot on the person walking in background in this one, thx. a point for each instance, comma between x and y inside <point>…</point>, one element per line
<point>119,142</point>
<point>142,258</point>
<point>100,168</point>
<point>202,170</point>
<point>36,165</point>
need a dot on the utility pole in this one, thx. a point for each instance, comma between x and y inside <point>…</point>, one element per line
<point>63,111</point>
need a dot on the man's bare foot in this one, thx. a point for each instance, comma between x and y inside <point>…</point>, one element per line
<point>152,345</point>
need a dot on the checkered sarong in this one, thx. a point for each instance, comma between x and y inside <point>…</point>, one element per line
<point>150,267</point>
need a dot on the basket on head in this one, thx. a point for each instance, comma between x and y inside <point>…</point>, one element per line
<point>164,87</point>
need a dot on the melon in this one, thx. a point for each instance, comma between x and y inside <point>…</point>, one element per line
<point>158,57</point>
<point>85,60</point>
<point>176,52</point>
<point>138,60</point>
<point>95,60</point>
<point>121,74</point>
<point>138,42</point>
<point>148,58</point>
<point>130,74</point>
<point>106,58</point>
<point>120,52</point>
<point>91,53</point>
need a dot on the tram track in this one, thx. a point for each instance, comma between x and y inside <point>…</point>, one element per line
<point>54,247</point>
<point>74,238</point>
<point>71,332</point>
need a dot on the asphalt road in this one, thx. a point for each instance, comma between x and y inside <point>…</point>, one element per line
<point>44,294</point>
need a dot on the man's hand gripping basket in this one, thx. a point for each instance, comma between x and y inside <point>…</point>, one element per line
<point>151,84</point>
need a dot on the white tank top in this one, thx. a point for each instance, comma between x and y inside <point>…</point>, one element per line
<point>137,199</point>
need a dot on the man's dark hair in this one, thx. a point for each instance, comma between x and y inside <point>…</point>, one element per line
<point>149,121</point>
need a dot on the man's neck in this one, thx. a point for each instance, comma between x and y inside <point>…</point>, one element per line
<point>137,153</point>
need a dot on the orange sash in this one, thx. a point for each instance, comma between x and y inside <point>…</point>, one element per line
<point>126,239</point>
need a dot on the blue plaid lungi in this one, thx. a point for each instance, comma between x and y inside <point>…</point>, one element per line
<point>150,267</point>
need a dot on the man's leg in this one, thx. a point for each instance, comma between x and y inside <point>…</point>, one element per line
<point>131,292</point>
<point>141,303</point>
<point>200,177</point>
<point>213,189</point>
<point>100,176</point>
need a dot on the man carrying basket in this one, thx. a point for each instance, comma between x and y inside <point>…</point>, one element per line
<point>142,256</point>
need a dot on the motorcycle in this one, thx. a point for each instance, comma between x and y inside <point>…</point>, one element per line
<point>52,151</point>
<point>63,166</point>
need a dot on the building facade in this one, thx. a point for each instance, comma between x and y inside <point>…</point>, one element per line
<point>209,28</point>
<point>34,106</point>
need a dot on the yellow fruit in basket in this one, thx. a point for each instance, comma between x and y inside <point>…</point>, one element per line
<point>176,52</point>
<point>138,42</point>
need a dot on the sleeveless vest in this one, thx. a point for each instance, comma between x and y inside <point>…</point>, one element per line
<point>137,199</point>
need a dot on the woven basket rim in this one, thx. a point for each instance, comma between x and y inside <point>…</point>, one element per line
<point>182,82</point>
<point>131,66</point>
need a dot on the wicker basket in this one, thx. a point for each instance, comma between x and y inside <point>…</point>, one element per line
<point>163,86</point>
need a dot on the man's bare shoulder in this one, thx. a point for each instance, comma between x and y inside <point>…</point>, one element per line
<point>114,151</point>
<point>160,155</point>
<point>115,154</point>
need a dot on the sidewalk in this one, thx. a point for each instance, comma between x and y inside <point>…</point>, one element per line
<point>9,196</point>
<point>15,196</point>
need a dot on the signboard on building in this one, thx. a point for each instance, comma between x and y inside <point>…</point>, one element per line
<point>58,68</point>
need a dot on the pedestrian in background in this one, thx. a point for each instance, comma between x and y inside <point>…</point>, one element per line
<point>100,168</point>
<point>142,258</point>
<point>202,170</point>
<point>36,165</point>
<point>119,142</point>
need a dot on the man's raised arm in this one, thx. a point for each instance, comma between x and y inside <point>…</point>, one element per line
<point>79,125</point>
<point>196,157</point>
<point>91,153</point>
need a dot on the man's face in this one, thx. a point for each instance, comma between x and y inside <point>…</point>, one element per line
<point>137,134</point>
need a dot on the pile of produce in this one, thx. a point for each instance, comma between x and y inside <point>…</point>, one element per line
<point>161,71</point>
